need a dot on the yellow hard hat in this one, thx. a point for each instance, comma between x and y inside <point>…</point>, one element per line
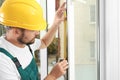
<point>26,14</point>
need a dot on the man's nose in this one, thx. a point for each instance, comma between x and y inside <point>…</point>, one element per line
<point>37,32</point>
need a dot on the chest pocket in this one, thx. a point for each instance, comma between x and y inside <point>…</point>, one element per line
<point>29,73</point>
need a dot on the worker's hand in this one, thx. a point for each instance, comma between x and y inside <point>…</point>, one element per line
<point>58,70</point>
<point>59,16</point>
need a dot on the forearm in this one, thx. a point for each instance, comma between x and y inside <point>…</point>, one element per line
<point>50,77</point>
<point>59,17</point>
<point>48,38</point>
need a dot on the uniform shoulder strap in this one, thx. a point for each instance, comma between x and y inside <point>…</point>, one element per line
<point>23,74</point>
<point>30,49</point>
<point>14,59</point>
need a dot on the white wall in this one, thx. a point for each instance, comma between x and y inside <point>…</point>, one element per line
<point>112,39</point>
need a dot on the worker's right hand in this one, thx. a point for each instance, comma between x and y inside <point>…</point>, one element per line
<point>58,70</point>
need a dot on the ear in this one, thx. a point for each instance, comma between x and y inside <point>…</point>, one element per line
<point>16,31</point>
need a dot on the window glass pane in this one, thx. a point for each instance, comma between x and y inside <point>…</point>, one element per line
<point>57,48</point>
<point>2,30</point>
<point>86,50</point>
<point>52,49</point>
<point>85,40</point>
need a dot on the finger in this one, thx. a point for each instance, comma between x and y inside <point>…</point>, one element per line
<point>60,15</point>
<point>64,63</point>
<point>65,67</point>
<point>63,5</point>
<point>61,11</point>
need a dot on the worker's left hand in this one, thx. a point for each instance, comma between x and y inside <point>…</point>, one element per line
<point>59,16</point>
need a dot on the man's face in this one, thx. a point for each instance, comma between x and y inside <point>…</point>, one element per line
<point>27,36</point>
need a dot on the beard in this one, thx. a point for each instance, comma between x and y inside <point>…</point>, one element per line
<point>28,42</point>
<point>22,37</point>
<point>22,41</point>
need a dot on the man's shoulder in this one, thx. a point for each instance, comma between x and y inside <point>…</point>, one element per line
<point>2,41</point>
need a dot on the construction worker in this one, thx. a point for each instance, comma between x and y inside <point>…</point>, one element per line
<point>23,19</point>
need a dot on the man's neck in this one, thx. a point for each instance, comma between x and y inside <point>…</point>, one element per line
<point>14,42</point>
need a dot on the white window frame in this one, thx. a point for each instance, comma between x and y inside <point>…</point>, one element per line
<point>102,46</point>
<point>112,32</point>
<point>102,36</point>
<point>70,20</point>
<point>43,52</point>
